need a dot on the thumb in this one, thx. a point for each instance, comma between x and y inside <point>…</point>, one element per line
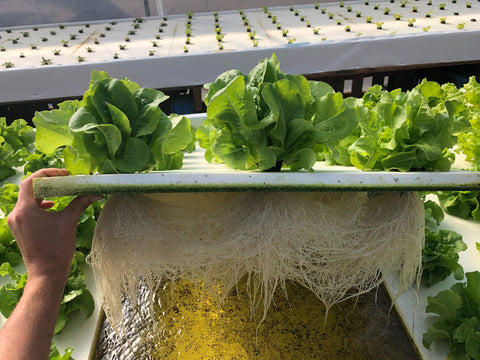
<point>78,205</point>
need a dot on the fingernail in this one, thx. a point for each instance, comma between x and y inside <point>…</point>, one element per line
<point>97,197</point>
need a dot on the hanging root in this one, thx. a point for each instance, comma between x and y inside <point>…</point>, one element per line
<point>337,245</point>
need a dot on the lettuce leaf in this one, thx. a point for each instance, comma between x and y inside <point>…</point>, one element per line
<point>52,129</point>
<point>464,204</point>
<point>55,354</point>
<point>457,321</point>
<point>76,297</point>
<point>16,144</point>
<point>11,292</point>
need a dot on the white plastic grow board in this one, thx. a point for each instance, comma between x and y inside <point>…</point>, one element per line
<point>199,176</point>
<point>166,65</point>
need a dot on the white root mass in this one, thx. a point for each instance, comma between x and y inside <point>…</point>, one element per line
<point>337,244</point>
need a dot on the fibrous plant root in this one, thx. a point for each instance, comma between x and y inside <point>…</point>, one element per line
<point>335,244</point>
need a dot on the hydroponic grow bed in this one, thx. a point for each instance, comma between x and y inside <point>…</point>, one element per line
<point>154,51</point>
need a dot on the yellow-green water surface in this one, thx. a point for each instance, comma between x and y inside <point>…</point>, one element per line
<point>193,328</point>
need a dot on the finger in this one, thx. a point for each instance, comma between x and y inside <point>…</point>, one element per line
<point>78,205</point>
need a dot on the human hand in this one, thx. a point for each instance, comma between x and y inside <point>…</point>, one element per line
<point>46,239</point>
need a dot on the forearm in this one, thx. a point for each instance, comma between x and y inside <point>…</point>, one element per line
<point>28,332</point>
<point>47,240</point>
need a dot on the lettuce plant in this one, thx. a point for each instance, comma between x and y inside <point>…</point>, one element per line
<point>266,119</point>
<point>464,204</point>
<point>76,296</point>
<point>457,320</point>
<point>440,256</point>
<point>440,253</point>
<point>16,144</point>
<point>117,127</point>
<point>408,131</point>
<point>468,141</point>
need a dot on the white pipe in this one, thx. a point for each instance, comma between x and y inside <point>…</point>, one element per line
<point>160,8</point>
